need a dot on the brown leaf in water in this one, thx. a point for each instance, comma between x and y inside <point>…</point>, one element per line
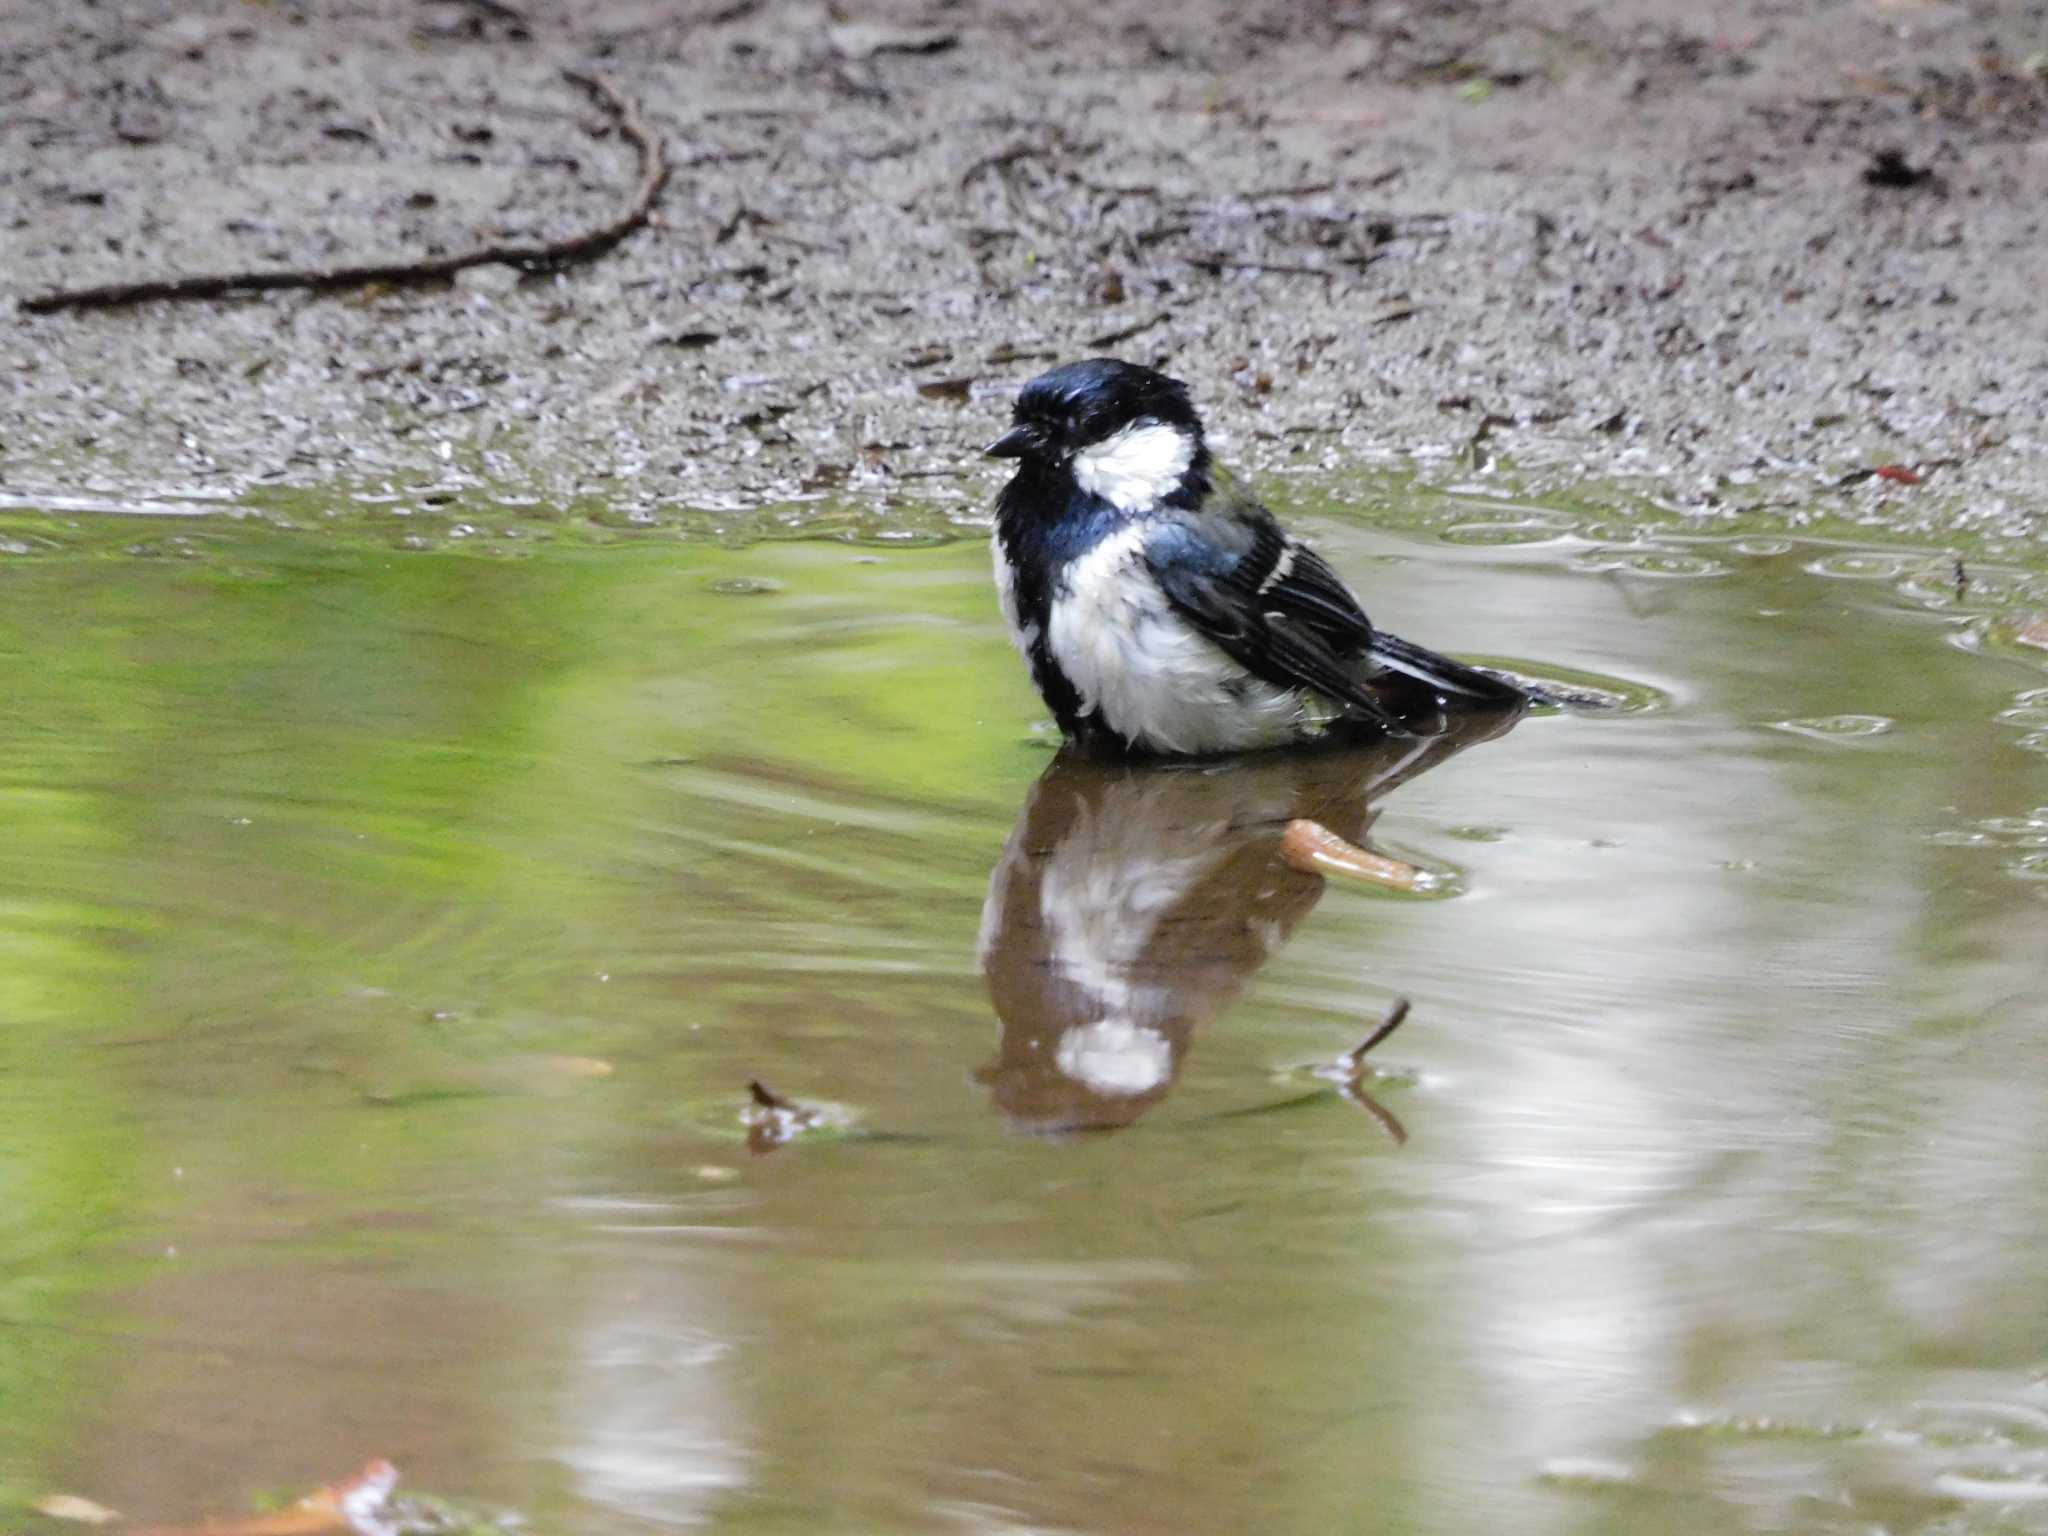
<point>1314,849</point>
<point>335,1510</point>
<point>296,1521</point>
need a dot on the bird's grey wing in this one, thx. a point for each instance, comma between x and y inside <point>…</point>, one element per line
<point>1275,582</point>
<point>1214,583</point>
<point>1278,570</point>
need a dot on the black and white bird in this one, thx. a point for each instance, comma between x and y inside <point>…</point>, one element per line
<point>1161,609</point>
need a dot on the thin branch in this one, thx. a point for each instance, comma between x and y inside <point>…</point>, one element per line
<point>1396,1012</point>
<point>1218,264</point>
<point>584,246</point>
<point>1002,159</point>
<point>1125,333</point>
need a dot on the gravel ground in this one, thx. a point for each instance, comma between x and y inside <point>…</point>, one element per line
<point>1732,257</point>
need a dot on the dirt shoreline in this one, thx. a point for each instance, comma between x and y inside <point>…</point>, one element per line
<point>1652,244</point>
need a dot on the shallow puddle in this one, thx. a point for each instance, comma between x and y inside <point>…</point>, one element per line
<point>388,940</point>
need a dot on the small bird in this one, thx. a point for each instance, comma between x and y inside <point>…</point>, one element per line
<point>1164,611</point>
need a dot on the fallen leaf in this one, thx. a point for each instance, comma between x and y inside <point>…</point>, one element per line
<point>69,1506</point>
<point>345,1507</point>
<point>1314,849</point>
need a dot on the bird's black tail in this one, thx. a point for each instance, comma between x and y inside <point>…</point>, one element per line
<point>1453,679</point>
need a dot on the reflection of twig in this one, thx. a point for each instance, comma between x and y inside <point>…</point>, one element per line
<point>1388,1122</point>
<point>1643,608</point>
<point>590,243</point>
<point>1354,1063</point>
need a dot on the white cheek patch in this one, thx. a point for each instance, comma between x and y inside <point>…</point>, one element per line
<point>1138,467</point>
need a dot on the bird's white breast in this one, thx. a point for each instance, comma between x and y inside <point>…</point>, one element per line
<point>1022,635</point>
<point>1147,673</point>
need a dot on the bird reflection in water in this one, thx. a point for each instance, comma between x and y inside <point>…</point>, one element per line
<point>1135,900</point>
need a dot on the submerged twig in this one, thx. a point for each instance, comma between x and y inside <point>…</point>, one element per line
<point>582,246</point>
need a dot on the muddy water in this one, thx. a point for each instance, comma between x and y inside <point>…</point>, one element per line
<point>387,940</point>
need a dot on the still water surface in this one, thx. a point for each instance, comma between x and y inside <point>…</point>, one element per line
<point>387,941</point>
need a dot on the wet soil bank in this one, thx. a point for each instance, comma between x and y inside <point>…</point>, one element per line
<point>1736,257</point>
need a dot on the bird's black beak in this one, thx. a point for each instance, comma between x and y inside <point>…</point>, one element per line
<point>1015,443</point>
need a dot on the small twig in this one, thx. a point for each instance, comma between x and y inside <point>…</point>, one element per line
<point>1306,189</point>
<point>1356,1073</point>
<point>590,243</point>
<point>1355,1057</point>
<point>497,10</point>
<point>1002,158</point>
<point>765,1097</point>
<point>1217,265</point>
<point>1125,333</point>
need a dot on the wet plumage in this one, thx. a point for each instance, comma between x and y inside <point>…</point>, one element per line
<point>1164,610</point>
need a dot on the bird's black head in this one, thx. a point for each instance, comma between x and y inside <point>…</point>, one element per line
<point>1082,405</point>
